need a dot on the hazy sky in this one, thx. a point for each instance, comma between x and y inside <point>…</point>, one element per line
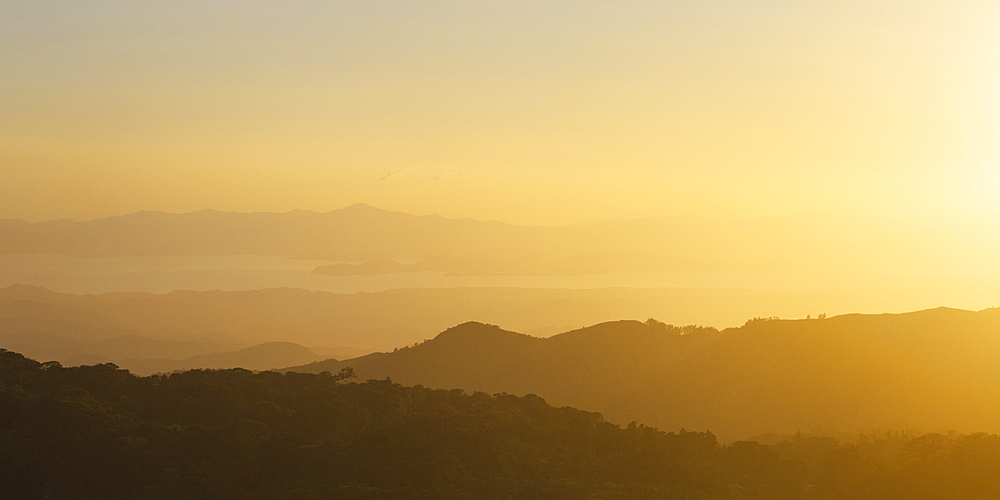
<point>524,111</point>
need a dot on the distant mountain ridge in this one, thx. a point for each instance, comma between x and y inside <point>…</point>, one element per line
<point>933,370</point>
<point>74,329</point>
<point>471,247</point>
<point>321,318</point>
<point>355,232</point>
<point>264,356</point>
<point>359,321</point>
<point>73,344</point>
<point>362,232</point>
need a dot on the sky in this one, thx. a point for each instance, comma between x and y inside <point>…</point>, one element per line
<point>528,112</point>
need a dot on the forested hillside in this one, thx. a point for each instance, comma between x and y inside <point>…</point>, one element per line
<point>97,432</point>
<point>933,370</point>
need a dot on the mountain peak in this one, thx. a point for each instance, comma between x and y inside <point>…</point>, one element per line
<point>476,332</point>
<point>278,347</point>
<point>20,291</point>
<point>361,207</point>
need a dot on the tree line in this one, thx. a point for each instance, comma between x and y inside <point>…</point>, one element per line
<point>100,432</point>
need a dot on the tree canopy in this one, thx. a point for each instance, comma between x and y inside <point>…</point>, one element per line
<point>100,432</point>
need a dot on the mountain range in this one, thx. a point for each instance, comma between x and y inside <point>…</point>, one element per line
<point>932,370</point>
<point>361,233</point>
<point>350,324</point>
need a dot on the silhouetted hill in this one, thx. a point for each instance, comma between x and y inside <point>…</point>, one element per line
<point>609,368</point>
<point>97,432</point>
<point>391,318</point>
<point>929,370</point>
<point>364,320</point>
<point>145,356</point>
<point>259,357</point>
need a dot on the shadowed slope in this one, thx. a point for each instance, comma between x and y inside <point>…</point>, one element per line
<point>484,354</point>
<point>930,370</point>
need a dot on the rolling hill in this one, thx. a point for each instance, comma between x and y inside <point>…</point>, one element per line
<point>342,325</point>
<point>933,370</point>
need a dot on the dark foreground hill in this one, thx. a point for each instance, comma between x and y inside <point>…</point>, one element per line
<point>97,432</point>
<point>934,370</point>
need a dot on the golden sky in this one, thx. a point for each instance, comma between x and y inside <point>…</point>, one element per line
<point>524,111</point>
